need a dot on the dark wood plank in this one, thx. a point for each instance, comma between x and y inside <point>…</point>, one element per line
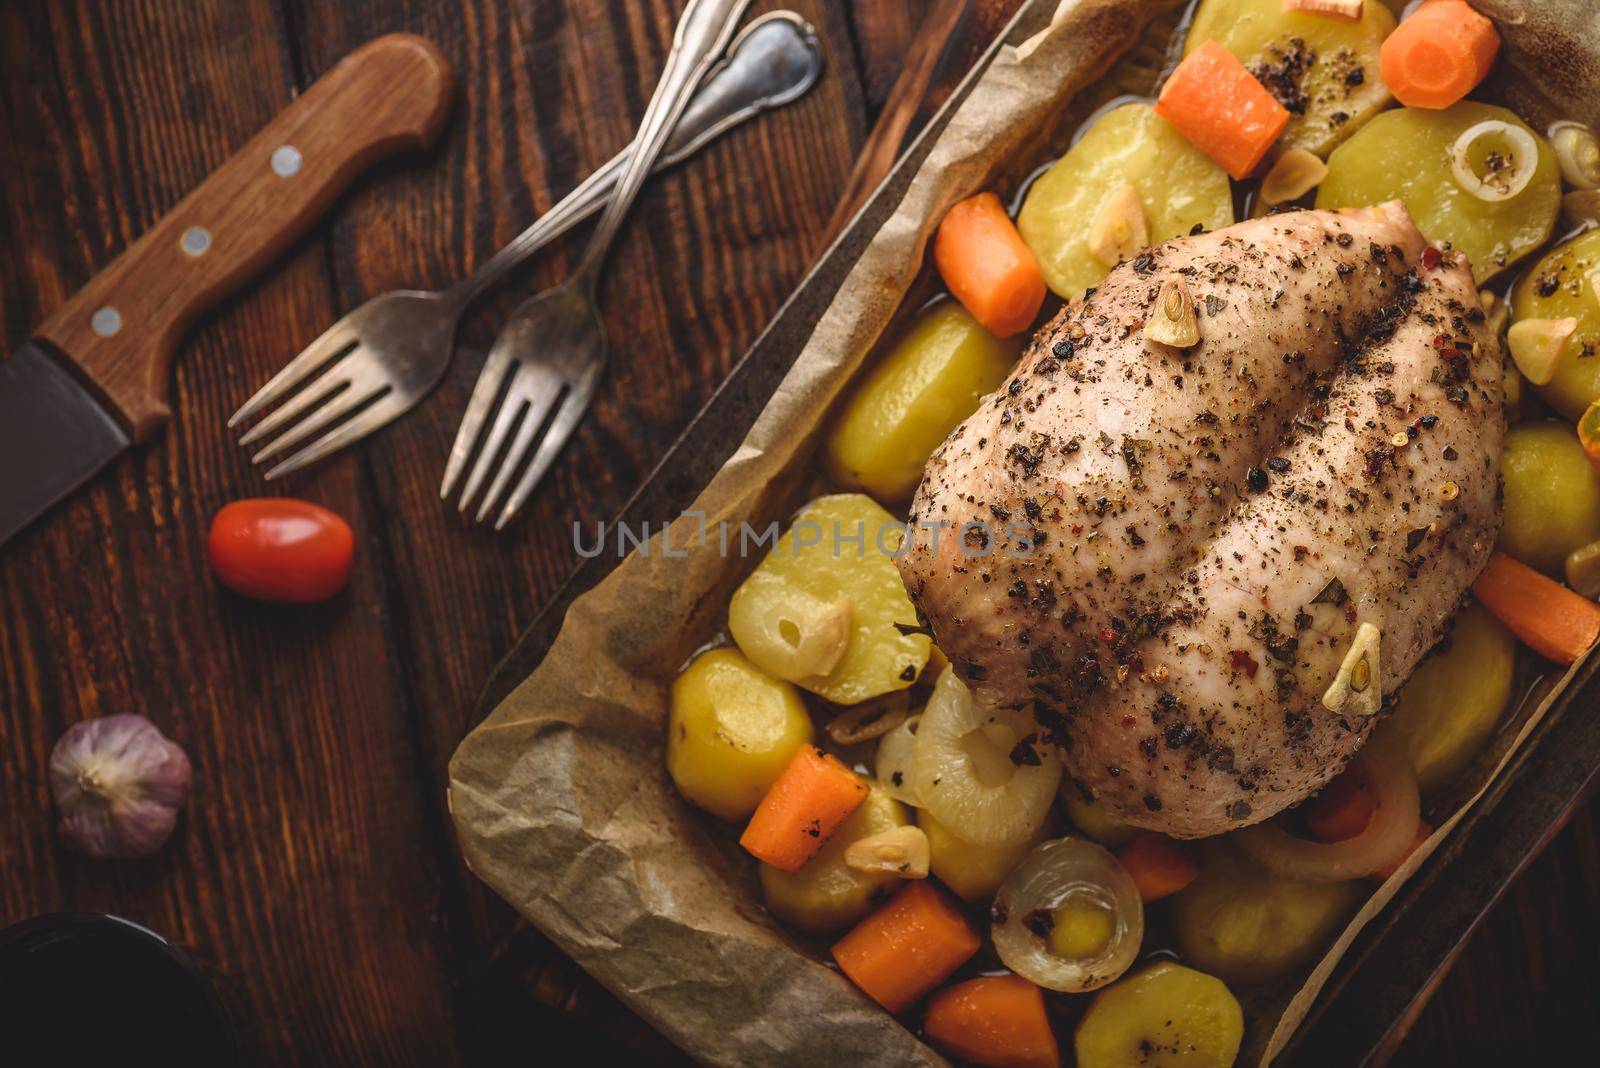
<point>315,872</point>
<point>549,92</point>
<point>297,876</point>
<point>1523,989</point>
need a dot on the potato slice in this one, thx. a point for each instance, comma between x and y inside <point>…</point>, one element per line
<point>1109,832</point>
<point>839,548</point>
<point>1454,700</point>
<point>1324,70</point>
<point>1177,184</point>
<point>1163,1016</point>
<point>912,398</point>
<point>1552,495</point>
<point>974,872</point>
<point>1407,155</point>
<point>730,731</point>
<point>1561,286</point>
<point>826,894</point>
<point>1246,926</point>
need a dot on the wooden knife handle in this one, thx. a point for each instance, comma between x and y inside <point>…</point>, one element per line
<point>122,329</point>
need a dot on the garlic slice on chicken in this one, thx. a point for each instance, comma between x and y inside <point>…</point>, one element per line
<point>986,775</point>
<point>1172,321</point>
<point>1358,688</point>
<point>900,851</point>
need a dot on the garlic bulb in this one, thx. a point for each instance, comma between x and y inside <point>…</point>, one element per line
<point>118,785</point>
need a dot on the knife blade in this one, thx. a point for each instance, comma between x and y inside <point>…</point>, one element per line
<point>92,381</point>
<point>53,434</point>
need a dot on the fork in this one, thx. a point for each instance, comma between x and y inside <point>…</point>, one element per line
<point>550,355</point>
<point>380,359</point>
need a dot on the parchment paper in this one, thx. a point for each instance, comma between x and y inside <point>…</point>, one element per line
<point>560,798</point>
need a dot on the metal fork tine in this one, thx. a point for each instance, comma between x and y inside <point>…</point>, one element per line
<point>336,337</point>
<point>306,398</point>
<point>575,404</point>
<point>332,412</point>
<point>381,413</point>
<point>504,420</point>
<point>490,379</point>
<point>539,405</point>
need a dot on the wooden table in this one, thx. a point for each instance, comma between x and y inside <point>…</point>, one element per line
<point>315,872</point>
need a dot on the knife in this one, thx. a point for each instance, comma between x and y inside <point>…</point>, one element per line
<point>92,380</point>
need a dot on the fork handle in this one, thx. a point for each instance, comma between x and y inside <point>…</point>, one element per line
<point>704,30</point>
<point>123,328</point>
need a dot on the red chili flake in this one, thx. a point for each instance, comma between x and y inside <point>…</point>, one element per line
<point>1243,661</point>
<point>1129,720</point>
<point>1431,258</point>
<point>1442,342</point>
<point>1350,613</point>
<point>1107,635</point>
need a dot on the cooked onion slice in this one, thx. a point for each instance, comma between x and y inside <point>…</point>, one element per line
<point>870,719</point>
<point>1578,152</point>
<point>896,760</point>
<point>986,775</point>
<point>1060,872</point>
<point>1508,171</point>
<point>1386,838</point>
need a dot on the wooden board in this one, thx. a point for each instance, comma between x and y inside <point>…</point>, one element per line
<point>314,873</point>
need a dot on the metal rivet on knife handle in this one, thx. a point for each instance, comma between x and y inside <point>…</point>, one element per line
<point>196,241</point>
<point>107,322</point>
<point>286,161</point>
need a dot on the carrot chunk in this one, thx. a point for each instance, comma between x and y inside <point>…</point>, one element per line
<point>1437,56</point>
<point>1160,866</point>
<point>1383,873</point>
<point>1343,809</point>
<point>1550,619</point>
<point>987,267</point>
<point>998,1022</point>
<point>906,948</point>
<point>1222,109</point>
<point>806,803</point>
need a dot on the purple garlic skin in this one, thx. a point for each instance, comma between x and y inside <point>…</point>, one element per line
<point>118,785</point>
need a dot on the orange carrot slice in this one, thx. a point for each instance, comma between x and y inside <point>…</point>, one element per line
<point>988,267</point>
<point>1160,866</point>
<point>810,798</point>
<point>1222,109</point>
<point>997,1021</point>
<point>1550,619</point>
<point>1589,433</point>
<point>908,947</point>
<point>1438,55</point>
<point>1343,809</point>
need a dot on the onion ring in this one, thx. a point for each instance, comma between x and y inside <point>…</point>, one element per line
<point>1387,837</point>
<point>1525,152</point>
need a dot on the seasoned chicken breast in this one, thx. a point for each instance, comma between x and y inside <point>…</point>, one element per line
<point>1166,553</point>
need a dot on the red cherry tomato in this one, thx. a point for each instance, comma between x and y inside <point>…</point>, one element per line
<point>281,549</point>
